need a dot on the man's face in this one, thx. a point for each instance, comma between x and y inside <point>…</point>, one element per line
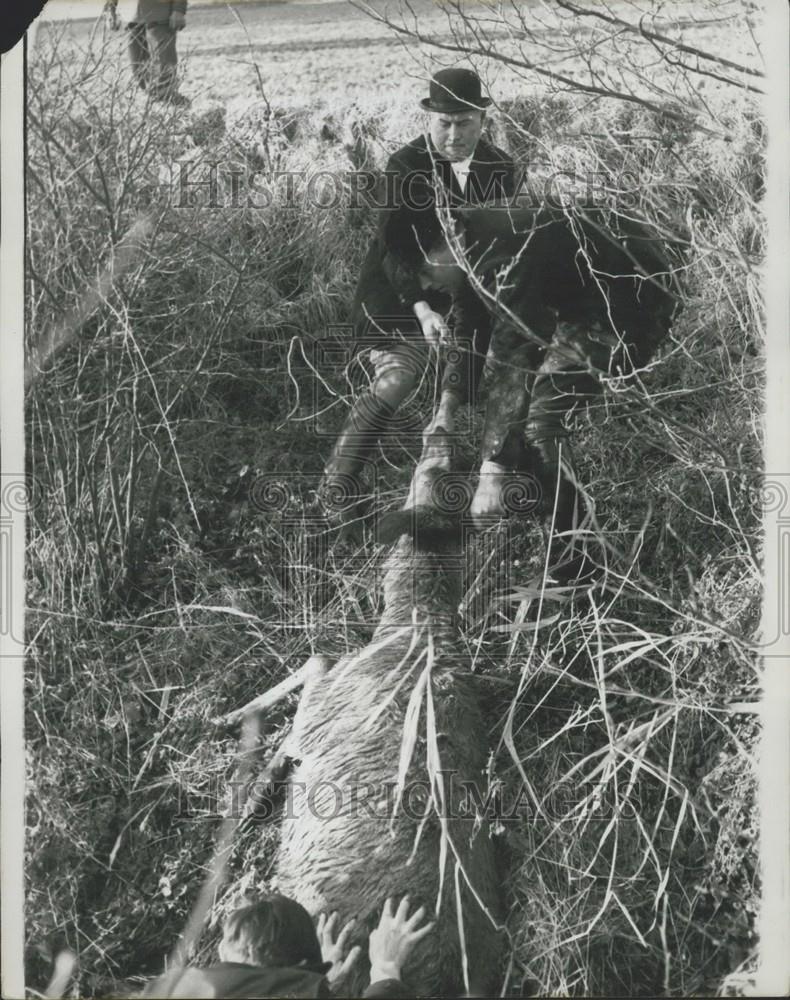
<point>455,135</point>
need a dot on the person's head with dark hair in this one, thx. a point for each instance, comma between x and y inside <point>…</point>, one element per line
<point>275,931</point>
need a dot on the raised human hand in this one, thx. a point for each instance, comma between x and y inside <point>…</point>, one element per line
<point>333,948</point>
<point>394,939</point>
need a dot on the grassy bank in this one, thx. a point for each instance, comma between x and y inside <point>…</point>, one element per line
<point>173,443</point>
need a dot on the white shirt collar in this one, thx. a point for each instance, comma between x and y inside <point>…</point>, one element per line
<point>461,170</point>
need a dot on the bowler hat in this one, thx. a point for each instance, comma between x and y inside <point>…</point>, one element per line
<point>453,90</point>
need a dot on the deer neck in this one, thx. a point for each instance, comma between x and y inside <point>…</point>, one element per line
<point>422,589</point>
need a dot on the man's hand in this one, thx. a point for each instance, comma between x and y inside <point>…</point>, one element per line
<point>332,949</point>
<point>394,939</point>
<point>434,327</point>
<point>177,21</point>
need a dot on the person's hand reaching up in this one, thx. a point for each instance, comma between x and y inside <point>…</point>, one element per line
<point>394,939</point>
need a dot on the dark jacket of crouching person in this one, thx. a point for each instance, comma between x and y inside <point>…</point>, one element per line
<point>269,949</point>
<point>596,294</point>
<point>418,182</point>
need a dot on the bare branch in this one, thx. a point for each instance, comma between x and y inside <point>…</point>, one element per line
<point>654,36</point>
<point>526,64</point>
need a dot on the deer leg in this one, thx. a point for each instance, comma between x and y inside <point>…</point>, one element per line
<point>444,417</point>
<point>436,458</point>
<point>263,790</point>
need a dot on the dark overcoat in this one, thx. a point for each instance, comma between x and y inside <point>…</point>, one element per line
<point>234,979</point>
<point>409,225</point>
<point>158,11</point>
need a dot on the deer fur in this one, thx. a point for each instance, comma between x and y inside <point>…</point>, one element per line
<point>344,846</point>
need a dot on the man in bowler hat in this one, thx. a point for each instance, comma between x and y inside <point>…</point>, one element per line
<point>399,314</point>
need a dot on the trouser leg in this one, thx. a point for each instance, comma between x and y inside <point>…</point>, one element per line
<point>398,372</point>
<point>513,360</point>
<point>139,55</point>
<point>164,59</point>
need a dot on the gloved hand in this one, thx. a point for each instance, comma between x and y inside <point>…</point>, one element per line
<point>177,21</point>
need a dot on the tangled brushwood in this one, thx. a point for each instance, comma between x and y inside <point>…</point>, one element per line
<point>187,373</point>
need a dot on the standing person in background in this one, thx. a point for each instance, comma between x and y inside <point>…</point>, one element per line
<point>152,29</point>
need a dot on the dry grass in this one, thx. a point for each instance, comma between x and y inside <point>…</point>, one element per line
<point>174,572</point>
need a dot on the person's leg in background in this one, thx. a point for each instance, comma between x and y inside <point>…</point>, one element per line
<point>139,54</point>
<point>164,61</point>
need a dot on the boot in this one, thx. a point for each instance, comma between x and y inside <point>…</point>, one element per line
<point>341,489</point>
<point>501,447</point>
<point>507,484</point>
